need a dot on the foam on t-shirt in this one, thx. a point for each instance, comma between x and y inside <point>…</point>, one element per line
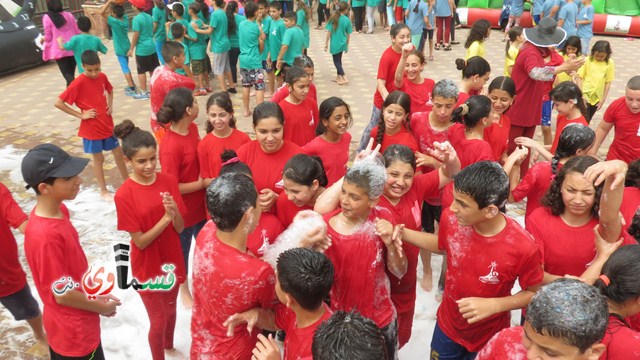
<point>305,222</point>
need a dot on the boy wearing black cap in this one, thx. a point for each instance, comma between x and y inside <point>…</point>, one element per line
<point>53,251</point>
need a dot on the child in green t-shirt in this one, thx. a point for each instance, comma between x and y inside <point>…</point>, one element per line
<point>198,51</point>
<point>251,42</point>
<point>159,17</point>
<point>274,41</point>
<point>303,13</point>
<point>177,33</point>
<point>82,42</point>
<point>119,24</point>
<point>292,42</point>
<point>144,47</point>
<point>339,29</point>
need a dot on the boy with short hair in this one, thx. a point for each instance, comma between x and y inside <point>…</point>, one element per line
<point>145,48</point>
<point>121,44</point>
<point>486,252</point>
<point>92,93</point>
<point>177,32</point>
<point>566,318</point>
<point>198,51</point>
<point>251,40</point>
<point>274,41</point>
<point>585,24</point>
<point>264,20</point>
<point>292,42</point>
<point>82,42</point>
<point>221,288</point>
<point>567,18</point>
<point>53,251</point>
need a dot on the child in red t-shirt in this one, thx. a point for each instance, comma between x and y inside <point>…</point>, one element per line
<point>568,101</point>
<point>179,158</point>
<point>631,200</point>
<point>93,94</point>
<point>394,127</point>
<point>226,279</point>
<point>15,293</point>
<point>300,111</point>
<point>222,135</point>
<point>306,63</point>
<point>502,91</point>
<point>53,251</point>
<point>332,143</point>
<point>475,73</point>
<point>480,273</point>
<point>408,78</point>
<point>149,207</point>
<point>348,335</point>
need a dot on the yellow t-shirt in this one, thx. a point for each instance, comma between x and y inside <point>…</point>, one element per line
<point>510,59</point>
<point>475,49</point>
<point>594,75</point>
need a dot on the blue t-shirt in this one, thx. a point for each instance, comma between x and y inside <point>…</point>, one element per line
<point>517,7</point>
<point>442,8</point>
<point>415,20</point>
<point>568,13</point>
<point>537,6</point>
<point>548,4</point>
<point>585,31</point>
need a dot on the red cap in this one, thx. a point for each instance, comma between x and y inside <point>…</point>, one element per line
<point>140,4</point>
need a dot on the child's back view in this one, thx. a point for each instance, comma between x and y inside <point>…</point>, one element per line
<point>119,24</point>
<point>83,42</point>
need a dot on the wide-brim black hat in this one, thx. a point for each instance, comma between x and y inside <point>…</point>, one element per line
<point>546,34</point>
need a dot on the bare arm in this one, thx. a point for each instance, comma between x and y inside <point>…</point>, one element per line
<point>399,76</point>
<point>612,173</point>
<point>326,41</point>
<point>78,300</point>
<point>88,114</point>
<point>475,309</point>
<point>171,216</point>
<point>134,42</point>
<point>329,199</point>
<point>601,133</point>
<point>607,86</point>
<point>103,10</point>
<point>422,240</point>
<point>187,188</point>
<point>382,89</point>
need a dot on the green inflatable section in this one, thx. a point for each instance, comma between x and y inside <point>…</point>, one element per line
<point>622,7</point>
<point>614,7</point>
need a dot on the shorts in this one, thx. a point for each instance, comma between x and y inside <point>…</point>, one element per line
<point>265,67</point>
<point>430,213</point>
<point>21,304</point>
<point>221,63</point>
<point>253,77</point>
<point>547,106</point>
<point>147,63</point>
<point>399,14</point>
<point>444,348</point>
<point>197,66</point>
<point>428,34</point>
<point>382,7</point>
<point>98,146</point>
<point>124,64</point>
<point>97,354</point>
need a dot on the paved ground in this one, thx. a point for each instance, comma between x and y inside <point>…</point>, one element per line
<point>28,117</point>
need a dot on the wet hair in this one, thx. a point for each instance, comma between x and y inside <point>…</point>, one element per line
<point>229,196</point>
<point>572,41</point>
<point>369,176</point>
<point>634,228</point>
<point>178,9</point>
<point>485,182</point>
<point>265,110</point>
<point>304,169</point>
<point>574,137</point>
<point>291,15</point>
<point>231,17</point>
<point>634,83</point>
<point>84,24</point>
<point>568,91</point>
<point>513,35</point>
<point>177,31</point>
<point>294,74</point>
<point>234,166</point>
<point>327,107</point>
<point>118,10</point>
<point>399,153</point>
<point>571,311</point>
<point>553,198</point>
<point>601,46</point>
<point>175,104</point>
<point>446,89</point>
<point>55,13</point>
<point>633,174</point>
<point>504,83</point>
<point>204,10</point>
<point>303,61</point>
<point>476,65</point>
<point>250,9</point>
<point>478,32</point>
<point>622,269</point>
<point>221,100</point>
<point>306,275</point>
<point>396,97</point>
<point>90,57</point>
<point>348,335</point>
<point>396,28</point>
<point>472,111</point>
<point>133,138</point>
<point>333,19</point>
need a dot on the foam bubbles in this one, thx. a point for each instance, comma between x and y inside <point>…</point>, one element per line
<point>370,173</point>
<point>304,222</point>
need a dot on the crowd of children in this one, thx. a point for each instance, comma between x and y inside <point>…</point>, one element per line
<point>432,153</point>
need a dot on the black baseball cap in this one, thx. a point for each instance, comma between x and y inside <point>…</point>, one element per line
<point>48,160</point>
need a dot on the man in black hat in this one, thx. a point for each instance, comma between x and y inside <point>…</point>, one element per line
<point>56,259</point>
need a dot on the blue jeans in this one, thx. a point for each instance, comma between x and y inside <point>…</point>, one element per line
<point>373,122</point>
<point>391,17</point>
<point>584,43</point>
<point>185,241</point>
<point>443,348</point>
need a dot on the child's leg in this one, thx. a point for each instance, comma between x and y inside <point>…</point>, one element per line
<point>67,66</point>
<point>23,306</point>
<point>245,100</point>
<point>370,19</point>
<point>259,86</point>
<point>405,325</point>
<point>430,217</point>
<point>98,172</point>
<point>159,44</point>
<point>445,31</point>
<point>119,159</point>
<point>170,303</point>
<point>234,53</point>
<point>545,122</point>
<point>430,34</point>
<point>391,20</point>
<point>154,304</point>
<point>142,79</point>
<point>38,329</point>
<point>272,80</point>
<point>186,237</point>
<point>227,71</point>
<point>591,110</point>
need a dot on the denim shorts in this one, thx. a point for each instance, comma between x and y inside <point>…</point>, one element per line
<point>97,146</point>
<point>21,304</point>
<point>253,77</point>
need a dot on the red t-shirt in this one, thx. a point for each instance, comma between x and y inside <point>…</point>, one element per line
<point>139,208</point>
<point>561,123</point>
<point>425,134</point>
<point>12,277</point>
<point>403,137</point>
<point>53,251</point>
<point>300,120</point>
<point>162,81</point>
<point>267,168</point>
<point>420,94</point>
<point>497,135</point>
<point>283,92</point>
<point>408,211</point>
<point>534,186</point>
<point>507,344</point>
<point>626,139</point>
<point>226,281</point>
<point>179,157</point>
<point>464,96</point>
<point>630,205</point>
<point>211,147</point>
<point>622,342</point>
<point>479,266</point>
<point>286,210</point>
<point>334,156</point>
<point>88,94</point>
<point>297,344</point>
<point>386,71</point>
<point>360,282</point>
<point>267,231</point>
<point>567,250</point>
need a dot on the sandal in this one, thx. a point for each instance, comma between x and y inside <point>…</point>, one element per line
<point>447,48</point>
<point>437,46</point>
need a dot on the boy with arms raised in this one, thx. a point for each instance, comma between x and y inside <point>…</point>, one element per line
<point>53,251</point>
<point>292,42</point>
<point>486,252</point>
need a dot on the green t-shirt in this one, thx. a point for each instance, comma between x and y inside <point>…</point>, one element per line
<point>198,48</point>
<point>81,43</point>
<point>187,58</point>
<point>339,36</point>
<point>248,35</point>
<point>357,3</point>
<point>274,38</point>
<point>120,29</point>
<point>304,25</point>
<point>294,38</point>
<point>266,22</point>
<point>374,3</point>
<point>219,39</point>
<point>323,2</point>
<point>143,24</point>
<point>205,21</point>
<point>186,4</point>
<point>159,17</point>
<point>234,41</point>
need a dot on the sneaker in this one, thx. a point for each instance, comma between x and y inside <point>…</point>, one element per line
<point>144,95</point>
<point>232,90</point>
<point>130,91</point>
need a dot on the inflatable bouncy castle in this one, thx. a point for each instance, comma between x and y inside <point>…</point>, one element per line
<point>613,17</point>
<point>19,37</point>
